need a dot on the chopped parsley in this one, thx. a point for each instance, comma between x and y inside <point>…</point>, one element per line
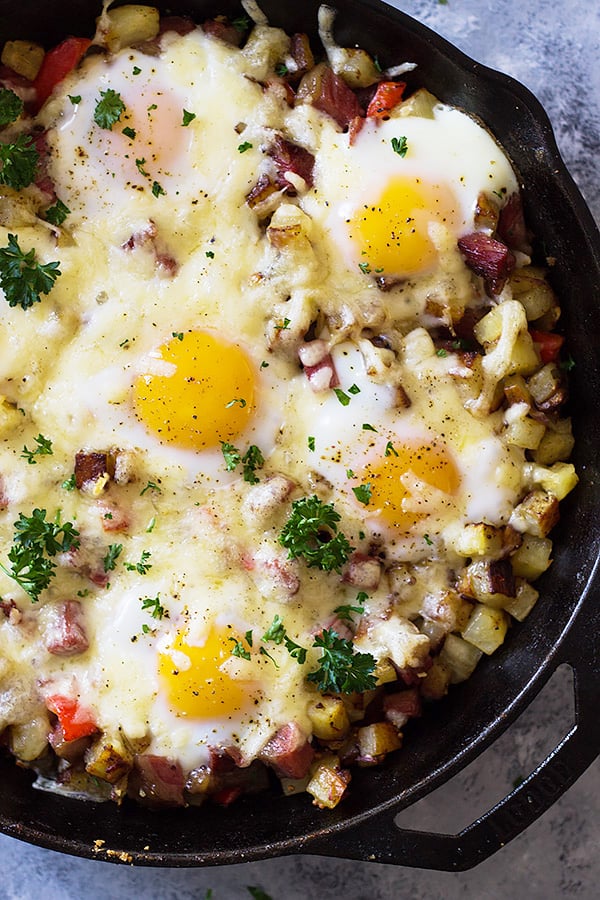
<point>139,164</point>
<point>231,455</point>
<point>238,648</point>
<point>157,189</point>
<point>367,427</point>
<point>35,542</point>
<point>281,69</point>
<point>311,532</point>
<point>109,109</point>
<point>143,566</point>
<point>311,442</point>
<point>346,611</point>
<point>251,460</point>
<point>276,632</point>
<point>246,145</point>
<point>342,396</point>
<point>283,326</point>
<point>22,279</point>
<point>568,364</point>
<point>428,540</point>
<point>136,70</point>
<point>242,23</point>
<point>44,448</point>
<point>400,145</point>
<point>187,118</point>
<point>363,493</point>
<point>112,554</point>
<point>364,267</point>
<point>129,132</point>
<point>177,334</point>
<point>210,254</point>
<point>441,352</point>
<point>74,98</point>
<point>390,450</point>
<point>19,162</point>
<point>69,483</point>
<point>354,389</point>
<point>153,606</point>
<point>341,669</point>
<point>150,486</point>
<point>11,106</point>
<point>235,400</point>
<point>57,214</point>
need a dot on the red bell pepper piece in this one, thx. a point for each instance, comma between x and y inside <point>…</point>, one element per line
<point>57,64</point>
<point>386,97</point>
<point>549,344</point>
<point>75,720</point>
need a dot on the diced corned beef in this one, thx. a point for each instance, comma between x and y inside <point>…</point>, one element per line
<point>363,572</point>
<point>142,237</point>
<point>288,752</point>
<point>64,749</point>
<point>223,29</point>
<point>64,629</point>
<point>329,93</point>
<point>487,257</point>
<point>290,157</point>
<point>179,24</point>
<point>319,366</point>
<point>341,628</point>
<point>20,85</point>
<point>511,225</point>
<point>91,465</point>
<point>414,676</point>
<point>113,518</point>
<point>400,707</point>
<point>167,263</point>
<point>157,781</point>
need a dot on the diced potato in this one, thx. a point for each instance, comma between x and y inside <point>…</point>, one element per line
<point>516,391</point>
<point>489,328</point>
<point>486,629</point>
<point>460,657</point>
<point>559,480</point>
<point>526,433</point>
<point>537,514</point>
<point>530,288</point>
<point>328,783</point>
<point>435,684</point>
<point>557,443</point>
<point>130,25</point>
<point>23,57</point>
<point>532,558</point>
<point>545,382</point>
<point>28,741</point>
<point>376,741</point>
<point>520,606</point>
<point>490,582</point>
<point>524,358</point>
<point>447,608</point>
<point>108,760</point>
<point>420,104</point>
<point>329,718</point>
<point>479,539</point>
<point>384,672</point>
<point>265,48</point>
<point>355,66</point>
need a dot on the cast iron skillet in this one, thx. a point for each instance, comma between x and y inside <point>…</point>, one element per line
<point>561,628</point>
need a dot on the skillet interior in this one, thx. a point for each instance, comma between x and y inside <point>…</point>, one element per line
<point>475,712</point>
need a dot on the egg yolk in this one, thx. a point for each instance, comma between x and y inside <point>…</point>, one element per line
<point>392,234</point>
<point>204,394</point>
<point>428,462</point>
<point>193,681</point>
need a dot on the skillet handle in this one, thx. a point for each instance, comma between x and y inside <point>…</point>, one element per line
<point>383,841</point>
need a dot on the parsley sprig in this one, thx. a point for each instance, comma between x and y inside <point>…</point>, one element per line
<point>35,542</point>
<point>251,460</point>
<point>19,161</point>
<point>11,106</point>
<point>108,109</point>
<point>311,532</point>
<point>44,448</point>
<point>23,279</point>
<point>341,670</point>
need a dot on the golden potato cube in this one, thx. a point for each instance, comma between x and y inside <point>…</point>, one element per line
<point>23,57</point>
<point>556,445</point>
<point>526,433</point>
<point>529,287</point>
<point>328,783</point>
<point>420,104</point>
<point>384,672</point>
<point>520,606</point>
<point>376,741</point>
<point>545,382</point>
<point>537,514</point>
<point>329,718</point>
<point>460,657</point>
<point>489,328</point>
<point>479,539</point>
<point>108,760</point>
<point>524,358</point>
<point>532,558</point>
<point>559,480</point>
<point>435,684</point>
<point>130,25</point>
<point>516,391</point>
<point>486,629</point>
